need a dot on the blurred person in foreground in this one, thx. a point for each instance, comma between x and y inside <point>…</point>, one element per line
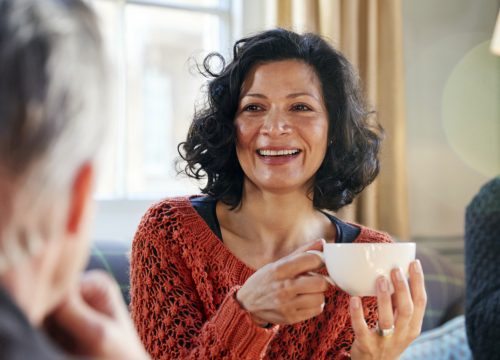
<point>51,127</point>
<point>285,136</point>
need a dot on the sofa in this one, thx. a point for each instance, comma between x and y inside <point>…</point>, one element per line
<point>443,328</point>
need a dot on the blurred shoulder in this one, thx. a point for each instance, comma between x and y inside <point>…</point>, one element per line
<point>488,198</point>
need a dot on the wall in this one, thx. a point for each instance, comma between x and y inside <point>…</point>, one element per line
<point>453,112</point>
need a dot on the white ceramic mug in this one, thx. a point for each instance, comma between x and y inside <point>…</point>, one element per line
<point>355,267</point>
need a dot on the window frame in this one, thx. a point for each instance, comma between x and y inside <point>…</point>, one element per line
<point>117,216</point>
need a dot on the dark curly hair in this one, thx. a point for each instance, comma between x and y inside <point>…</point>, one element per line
<point>351,161</point>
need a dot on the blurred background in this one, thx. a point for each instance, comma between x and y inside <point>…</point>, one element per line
<point>426,65</point>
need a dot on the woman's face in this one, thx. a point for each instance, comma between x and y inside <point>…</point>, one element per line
<point>281,126</point>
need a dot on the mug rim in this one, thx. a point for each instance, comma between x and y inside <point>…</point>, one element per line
<point>376,244</point>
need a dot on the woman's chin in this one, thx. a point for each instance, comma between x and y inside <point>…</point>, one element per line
<point>281,186</point>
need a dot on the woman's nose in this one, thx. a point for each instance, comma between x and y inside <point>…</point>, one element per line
<point>275,124</point>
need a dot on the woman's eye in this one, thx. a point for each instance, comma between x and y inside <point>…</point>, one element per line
<point>301,107</point>
<point>252,108</point>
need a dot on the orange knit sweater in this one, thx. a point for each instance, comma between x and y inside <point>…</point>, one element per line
<point>183,284</point>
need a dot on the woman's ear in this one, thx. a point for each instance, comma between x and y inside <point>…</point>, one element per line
<point>81,195</point>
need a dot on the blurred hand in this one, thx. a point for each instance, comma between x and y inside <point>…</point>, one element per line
<point>282,292</point>
<point>94,321</point>
<point>404,310</point>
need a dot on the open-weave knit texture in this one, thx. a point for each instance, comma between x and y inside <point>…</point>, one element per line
<point>482,259</point>
<point>183,285</point>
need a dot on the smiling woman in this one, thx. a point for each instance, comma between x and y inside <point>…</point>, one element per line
<point>350,162</point>
<point>284,136</point>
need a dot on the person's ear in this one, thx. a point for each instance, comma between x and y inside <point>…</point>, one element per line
<point>81,195</point>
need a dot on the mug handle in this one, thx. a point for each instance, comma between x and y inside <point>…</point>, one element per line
<point>322,257</point>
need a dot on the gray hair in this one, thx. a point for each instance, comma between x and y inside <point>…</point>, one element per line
<point>52,101</point>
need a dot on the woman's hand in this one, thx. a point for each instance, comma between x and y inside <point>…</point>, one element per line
<point>400,314</point>
<point>94,321</point>
<point>283,292</point>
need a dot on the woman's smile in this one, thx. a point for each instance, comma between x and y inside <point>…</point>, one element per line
<point>277,155</point>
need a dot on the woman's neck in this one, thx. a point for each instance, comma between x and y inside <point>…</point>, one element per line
<point>276,224</point>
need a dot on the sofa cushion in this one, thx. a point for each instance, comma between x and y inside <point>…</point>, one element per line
<point>446,342</point>
<point>112,257</point>
<point>445,286</point>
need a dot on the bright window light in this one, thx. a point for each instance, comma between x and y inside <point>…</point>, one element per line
<point>153,47</point>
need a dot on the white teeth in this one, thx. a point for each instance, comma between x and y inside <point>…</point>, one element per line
<point>278,152</point>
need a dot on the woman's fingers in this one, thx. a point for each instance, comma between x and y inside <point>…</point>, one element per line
<point>361,330</point>
<point>308,284</point>
<point>303,307</point>
<point>419,296</point>
<point>295,265</point>
<point>384,302</point>
<point>296,309</point>
<point>305,314</point>
<point>402,299</point>
<point>309,301</point>
<point>301,293</point>
<point>279,292</point>
<point>406,307</point>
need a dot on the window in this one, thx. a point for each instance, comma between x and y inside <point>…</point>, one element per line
<point>153,47</point>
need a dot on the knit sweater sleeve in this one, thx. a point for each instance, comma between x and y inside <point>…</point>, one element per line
<point>482,254</point>
<point>167,311</point>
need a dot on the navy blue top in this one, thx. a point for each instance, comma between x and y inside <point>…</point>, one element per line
<point>205,206</point>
